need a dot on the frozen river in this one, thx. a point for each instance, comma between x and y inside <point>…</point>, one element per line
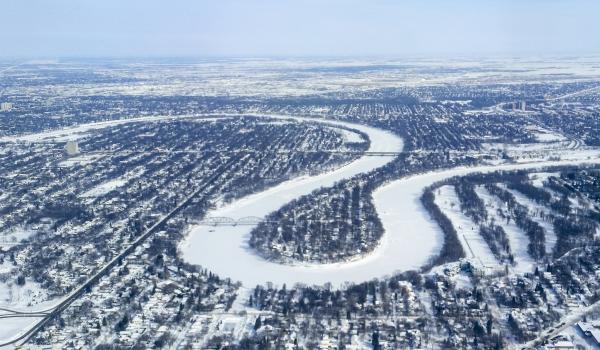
<point>411,238</point>
<point>224,249</point>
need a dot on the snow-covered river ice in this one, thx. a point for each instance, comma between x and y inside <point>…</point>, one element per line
<point>225,250</point>
<point>411,238</point>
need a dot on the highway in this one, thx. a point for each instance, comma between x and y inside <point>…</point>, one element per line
<point>88,284</point>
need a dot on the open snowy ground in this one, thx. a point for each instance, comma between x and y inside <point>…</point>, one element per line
<point>111,185</point>
<point>349,136</point>
<point>20,299</point>
<point>83,159</point>
<point>11,328</point>
<point>15,236</point>
<point>537,212</point>
<point>545,135</point>
<point>474,246</point>
<point>517,238</point>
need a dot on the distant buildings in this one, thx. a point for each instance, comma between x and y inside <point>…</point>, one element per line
<point>6,106</point>
<point>72,148</point>
<point>522,106</point>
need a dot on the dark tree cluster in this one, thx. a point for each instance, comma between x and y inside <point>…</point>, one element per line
<point>452,248</point>
<point>470,203</point>
<point>533,230</point>
<point>300,232</point>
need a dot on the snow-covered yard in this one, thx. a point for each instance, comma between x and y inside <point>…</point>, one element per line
<point>15,235</point>
<point>545,135</point>
<point>110,185</point>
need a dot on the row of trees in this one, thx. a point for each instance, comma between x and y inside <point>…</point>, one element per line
<point>452,249</point>
<point>536,234</point>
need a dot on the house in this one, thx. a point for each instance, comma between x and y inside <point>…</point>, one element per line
<point>590,329</point>
<point>560,343</point>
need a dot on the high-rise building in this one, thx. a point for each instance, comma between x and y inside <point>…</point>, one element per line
<point>5,106</point>
<point>523,106</point>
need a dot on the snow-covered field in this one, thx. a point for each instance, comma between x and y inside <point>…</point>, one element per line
<point>468,232</point>
<point>11,328</point>
<point>83,159</point>
<point>350,137</point>
<point>473,244</point>
<point>537,212</point>
<point>27,298</point>
<point>517,238</point>
<point>538,179</point>
<point>110,185</point>
<point>545,135</point>
<point>14,236</point>
<point>105,187</point>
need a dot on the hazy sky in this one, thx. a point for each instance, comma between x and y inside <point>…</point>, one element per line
<point>52,28</point>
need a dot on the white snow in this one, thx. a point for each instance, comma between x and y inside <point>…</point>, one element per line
<point>545,135</point>
<point>15,235</point>
<point>82,159</point>
<point>105,187</point>
<point>350,136</point>
<point>29,297</point>
<point>225,249</point>
<point>112,184</point>
<point>536,211</point>
<point>538,179</point>
<point>517,238</point>
<point>11,328</point>
<point>26,299</point>
<point>410,238</point>
<point>475,247</point>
